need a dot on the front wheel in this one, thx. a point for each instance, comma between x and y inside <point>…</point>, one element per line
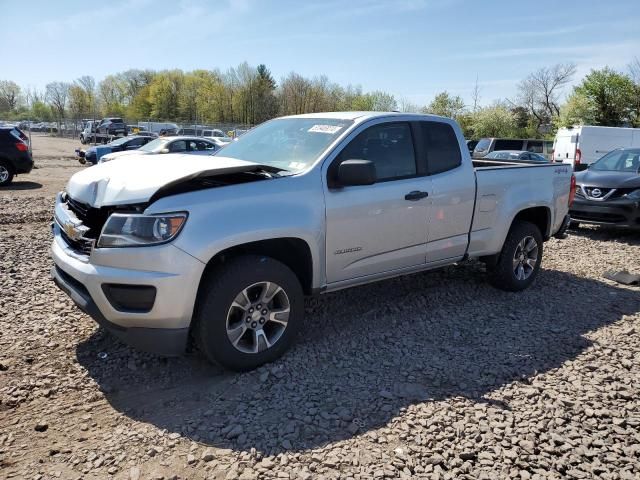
<point>519,261</point>
<point>249,311</point>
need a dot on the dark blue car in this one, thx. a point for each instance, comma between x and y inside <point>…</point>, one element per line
<point>132,142</point>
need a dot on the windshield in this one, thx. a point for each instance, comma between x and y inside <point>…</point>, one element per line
<point>154,145</point>
<point>619,161</point>
<point>291,144</point>
<point>483,145</point>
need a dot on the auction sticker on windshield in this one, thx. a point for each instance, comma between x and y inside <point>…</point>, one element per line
<point>330,129</point>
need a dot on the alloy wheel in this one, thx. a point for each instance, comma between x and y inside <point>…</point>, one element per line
<point>258,317</point>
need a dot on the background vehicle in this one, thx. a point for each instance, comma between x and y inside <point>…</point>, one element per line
<point>129,143</point>
<point>488,145</point>
<point>112,126</point>
<point>300,205</point>
<point>586,144</point>
<point>202,132</point>
<point>15,156</point>
<point>471,144</point>
<point>189,145</point>
<point>608,192</point>
<point>161,128</point>
<point>516,155</point>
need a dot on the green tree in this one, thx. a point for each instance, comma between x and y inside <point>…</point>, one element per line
<point>79,101</point>
<point>40,111</point>
<point>164,94</point>
<point>9,95</point>
<point>578,110</point>
<point>446,105</point>
<point>496,120</point>
<point>266,101</point>
<point>57,94</point>
<point>112,95</point>
<point>611,96</point>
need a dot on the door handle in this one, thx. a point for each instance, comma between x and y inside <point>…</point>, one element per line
<point>416,195</point>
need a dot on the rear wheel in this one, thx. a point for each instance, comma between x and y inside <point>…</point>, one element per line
<point>249,312</point>
<point>6,173</point>
<point>519,261</point>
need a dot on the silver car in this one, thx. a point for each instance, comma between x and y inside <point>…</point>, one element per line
<point>180,144</point>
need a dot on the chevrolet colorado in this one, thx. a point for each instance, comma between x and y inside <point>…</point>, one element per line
<point>222,250</point>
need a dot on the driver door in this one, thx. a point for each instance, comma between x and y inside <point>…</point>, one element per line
<point>372,229</point>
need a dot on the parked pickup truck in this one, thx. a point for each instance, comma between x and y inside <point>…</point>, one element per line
<point>223,249</point>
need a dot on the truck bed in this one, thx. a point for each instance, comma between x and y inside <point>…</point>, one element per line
<point>501,191</point>
<point>496,163</point>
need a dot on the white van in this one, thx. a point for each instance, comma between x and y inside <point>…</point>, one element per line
<point>586,144</point>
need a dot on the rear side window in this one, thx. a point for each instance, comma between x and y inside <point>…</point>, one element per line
<point>138,142</point>
<point>534,146</point>
<point>16,132</point>
<point>389,146</point>
<point>441,147</point>
<point>508,144</point>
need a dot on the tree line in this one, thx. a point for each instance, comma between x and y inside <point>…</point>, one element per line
<point>250,95</point>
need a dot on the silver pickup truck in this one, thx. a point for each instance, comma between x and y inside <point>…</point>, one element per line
<point>222,250</point>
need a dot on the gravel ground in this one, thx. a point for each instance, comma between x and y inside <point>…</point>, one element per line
<point>436,375</point>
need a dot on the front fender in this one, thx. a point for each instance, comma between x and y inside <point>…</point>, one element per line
<point>229,216</point>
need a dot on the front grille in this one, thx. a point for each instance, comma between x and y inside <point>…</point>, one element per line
<point>597,192</point>
<point>82,246</point>
<point>94,218</point>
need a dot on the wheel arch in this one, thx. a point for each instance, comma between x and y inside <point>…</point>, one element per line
<point>539,216</point>
<point>294,252</point>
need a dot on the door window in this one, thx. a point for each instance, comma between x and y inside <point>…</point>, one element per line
<point>389,146</point>
<point>441,147</point>
<point>204,146</point>
<point>178,146</point>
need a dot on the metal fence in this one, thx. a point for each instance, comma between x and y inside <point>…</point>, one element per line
<point>72,127</point>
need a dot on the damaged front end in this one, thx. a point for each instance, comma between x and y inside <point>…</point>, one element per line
<point>82,212</point>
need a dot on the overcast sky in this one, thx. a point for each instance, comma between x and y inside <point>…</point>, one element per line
<point>411,48</point>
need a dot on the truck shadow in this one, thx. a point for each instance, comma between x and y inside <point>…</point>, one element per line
<point>365,355</point>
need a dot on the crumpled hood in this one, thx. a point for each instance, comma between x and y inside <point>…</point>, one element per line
<point>607,179</point>
<point>137,179</point>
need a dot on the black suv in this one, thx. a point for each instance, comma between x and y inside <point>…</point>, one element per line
<point>15,156</point>
<point>112,126</point>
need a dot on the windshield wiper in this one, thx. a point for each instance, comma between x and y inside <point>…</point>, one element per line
<point>271,171</point>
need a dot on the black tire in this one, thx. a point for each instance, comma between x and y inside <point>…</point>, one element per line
<point>573,225</point>
<point>6,173</point>
<point>503,274</point>
<point>217,293</point>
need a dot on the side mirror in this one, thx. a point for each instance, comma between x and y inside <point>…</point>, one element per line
<point>164,150</point>
<point>581,167</point>
<point>356,172</point>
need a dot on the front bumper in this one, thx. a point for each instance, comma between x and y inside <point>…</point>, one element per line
<point>617,212</point>
<point>164,328</point>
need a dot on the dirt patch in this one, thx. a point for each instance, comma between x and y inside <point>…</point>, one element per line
<point>435,375</point>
